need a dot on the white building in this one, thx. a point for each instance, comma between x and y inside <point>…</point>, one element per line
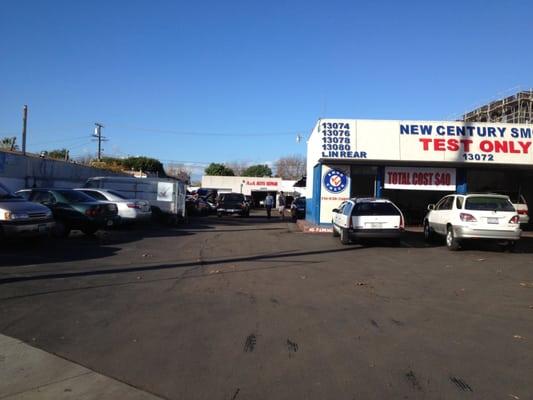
<point>414,163</point>
<point>256,187</point>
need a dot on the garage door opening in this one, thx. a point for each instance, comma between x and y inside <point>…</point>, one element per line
<point>258,198</point>
<point>413,203</point>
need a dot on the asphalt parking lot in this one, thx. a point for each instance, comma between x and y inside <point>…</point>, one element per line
<point>250,308</point>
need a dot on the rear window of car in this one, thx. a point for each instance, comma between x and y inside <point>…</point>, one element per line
<point>299,202</point>
<point>232,197</point>
<point>119,195</point>
<point>377,208</point>
<point>488,203</point>
<point>74,196</point>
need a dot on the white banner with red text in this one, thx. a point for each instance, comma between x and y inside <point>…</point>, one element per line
<point>407,178</point>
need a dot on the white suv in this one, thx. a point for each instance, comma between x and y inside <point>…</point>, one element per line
<point>367,218</point>
<point>473,216</point>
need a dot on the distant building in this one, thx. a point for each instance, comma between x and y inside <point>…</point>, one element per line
<point>515,109</point>
<point>255,187</point>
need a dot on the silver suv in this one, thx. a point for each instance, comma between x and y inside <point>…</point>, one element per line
<point>21,217</point>
<point>460,217</point>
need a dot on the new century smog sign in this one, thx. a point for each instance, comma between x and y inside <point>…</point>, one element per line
<point>456,142</point>
<point>472,143</point>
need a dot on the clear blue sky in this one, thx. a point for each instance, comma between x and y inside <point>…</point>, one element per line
<point>151,69</point>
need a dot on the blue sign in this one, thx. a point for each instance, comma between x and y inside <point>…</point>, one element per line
<point>335,181</point>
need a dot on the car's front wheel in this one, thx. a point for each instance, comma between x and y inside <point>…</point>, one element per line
<point>89,229</point>
<point>451,242</point>
<point>428,232</point>
<point>61,229</point>
<point>345,238</point>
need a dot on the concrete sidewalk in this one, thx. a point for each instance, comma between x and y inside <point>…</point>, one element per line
<point>30,373</point>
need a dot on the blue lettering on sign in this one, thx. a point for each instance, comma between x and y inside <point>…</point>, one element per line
<point>344,154</point>
<point>464,130</point>
<point>524,133</point>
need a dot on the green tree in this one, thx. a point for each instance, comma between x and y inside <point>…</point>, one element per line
<point>257,170</point>
<point>145,164</point>
<point>59,154</point>
<point>219,170</point>
<point>8,143</point>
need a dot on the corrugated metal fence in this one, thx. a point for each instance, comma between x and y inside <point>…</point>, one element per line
<point>18,171</point>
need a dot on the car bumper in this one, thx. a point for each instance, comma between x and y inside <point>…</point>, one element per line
<point>27,228</point>
<point>375,234</point>
<point>230,210</point>
<point>462,232</point>
<point>135,216</point>
<point>524,219</point>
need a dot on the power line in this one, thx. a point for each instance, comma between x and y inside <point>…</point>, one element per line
<point>197,133</point>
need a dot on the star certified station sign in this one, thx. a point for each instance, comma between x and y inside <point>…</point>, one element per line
<point>335,181</point>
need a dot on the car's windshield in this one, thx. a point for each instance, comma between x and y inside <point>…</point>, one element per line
<point>232,197</point>
<point>377,208</point>
<point>74,196</point>
<point>488,203</point>
<point>5,193</point>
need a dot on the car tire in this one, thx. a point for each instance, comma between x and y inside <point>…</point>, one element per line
<point>335,233</point>
<point>345,238</point>
<point>89,230</point>
<point>61,230</point>
<point>429,235</point>
<point>451,242</point>
<point>510,246</point>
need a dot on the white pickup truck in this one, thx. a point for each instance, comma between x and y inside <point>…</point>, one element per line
<point>165,195</point>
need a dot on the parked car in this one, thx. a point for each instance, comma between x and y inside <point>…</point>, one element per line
<point>21,217</point>
<point>74,210</point>
<point>129,210</point>
<point>232,203</point>
<point>474,216</point>
<point>367,218</point>
<point>298,208</point>
<point>520,204</point>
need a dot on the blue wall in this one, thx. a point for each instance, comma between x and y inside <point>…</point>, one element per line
<point>312,206</point>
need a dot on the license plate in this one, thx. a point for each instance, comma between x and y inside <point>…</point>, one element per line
<point>109,223</point>
<point>492,220</point>
<point>374,225</point>
<point>42,228</point>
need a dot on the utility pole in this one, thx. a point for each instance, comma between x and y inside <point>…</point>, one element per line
<point>24,126</point>
<point>99,138</point>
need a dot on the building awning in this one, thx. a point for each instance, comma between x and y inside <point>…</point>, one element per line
<point>302,182</point>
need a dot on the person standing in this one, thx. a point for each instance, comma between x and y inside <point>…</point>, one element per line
<point>282,202</point>
<point>269,203</point>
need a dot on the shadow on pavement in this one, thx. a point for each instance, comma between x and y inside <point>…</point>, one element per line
<point>109,271</point>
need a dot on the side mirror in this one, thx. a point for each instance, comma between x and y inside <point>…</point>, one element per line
<point>335,210</point>
<point>431,207</point>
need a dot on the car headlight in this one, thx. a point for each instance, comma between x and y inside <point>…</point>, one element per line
<point>9,216</point>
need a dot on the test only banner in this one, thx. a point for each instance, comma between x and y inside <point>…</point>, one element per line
<point>406,178</point>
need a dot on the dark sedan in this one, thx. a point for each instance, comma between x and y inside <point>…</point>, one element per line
<point>232,203</point>
<point>298,208</point>
<point>74,210</point>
